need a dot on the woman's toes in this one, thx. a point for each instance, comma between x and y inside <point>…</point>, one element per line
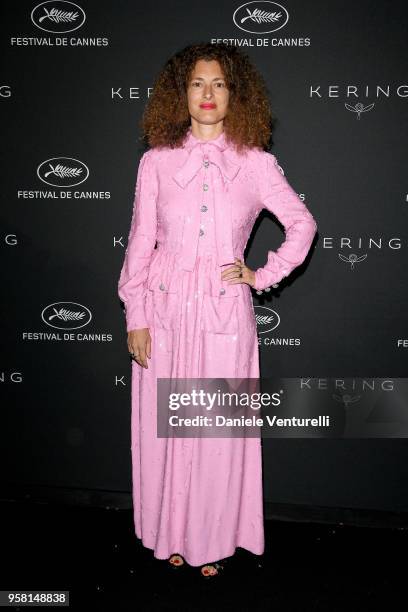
<point>176,560</point>
<point>209,570</point>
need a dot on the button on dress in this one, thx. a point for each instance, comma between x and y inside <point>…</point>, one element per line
<point>193,213</point>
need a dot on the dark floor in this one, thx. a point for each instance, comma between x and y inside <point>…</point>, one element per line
<point>95,555</point>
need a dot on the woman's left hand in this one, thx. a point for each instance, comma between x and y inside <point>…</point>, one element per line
<point>239,273</point>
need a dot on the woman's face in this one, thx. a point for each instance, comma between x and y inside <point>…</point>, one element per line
<point>207,86</point>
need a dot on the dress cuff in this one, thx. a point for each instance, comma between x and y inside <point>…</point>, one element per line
<point>265,281</point>
<point>135,317</point>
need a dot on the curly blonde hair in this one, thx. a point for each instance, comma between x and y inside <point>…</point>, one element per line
<point>249,118</point>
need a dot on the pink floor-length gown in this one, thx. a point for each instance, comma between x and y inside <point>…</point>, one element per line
<point>200,497</point>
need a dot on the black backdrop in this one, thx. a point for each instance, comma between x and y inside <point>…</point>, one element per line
<point>71,102</point>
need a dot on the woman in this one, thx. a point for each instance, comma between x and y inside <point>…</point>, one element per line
<point>188,303</point>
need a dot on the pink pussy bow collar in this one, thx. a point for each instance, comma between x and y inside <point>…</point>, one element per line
<point>201,153</point>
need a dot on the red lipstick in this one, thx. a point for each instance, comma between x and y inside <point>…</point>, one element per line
<point>207,105</point>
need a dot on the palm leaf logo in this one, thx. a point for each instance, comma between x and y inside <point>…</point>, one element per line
<point>262,16</point>
<point>59,16</point>
<point>66,315</point>
<point>63,171</point>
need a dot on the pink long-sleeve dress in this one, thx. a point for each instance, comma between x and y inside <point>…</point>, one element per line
<point>193,212</point>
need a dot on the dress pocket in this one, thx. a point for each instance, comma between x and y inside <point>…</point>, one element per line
<point>220,305</point>
<point>164,289</point>
<point>220,314</point>
<point>165,308</point>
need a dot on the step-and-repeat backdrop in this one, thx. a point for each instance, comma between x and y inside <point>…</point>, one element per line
<point>74,82</point>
